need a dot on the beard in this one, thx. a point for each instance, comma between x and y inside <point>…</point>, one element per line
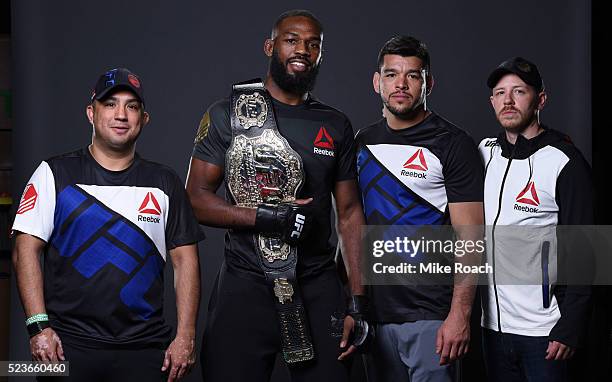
<point>520,123</point>
<point>299,83</point>
<point>403,112</point>
<point>406,111</point>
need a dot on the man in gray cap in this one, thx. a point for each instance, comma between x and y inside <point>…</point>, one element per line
<point>534,176</point>
<point>105,219</point>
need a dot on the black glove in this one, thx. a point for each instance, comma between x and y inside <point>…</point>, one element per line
<point>363,333</point>
<point>288,221</point>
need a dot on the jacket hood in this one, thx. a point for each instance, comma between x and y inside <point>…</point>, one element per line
<point>524,148</point>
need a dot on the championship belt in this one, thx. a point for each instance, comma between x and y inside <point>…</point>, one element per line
<point>261,168</point>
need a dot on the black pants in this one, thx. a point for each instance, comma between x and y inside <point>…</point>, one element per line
<point>515,358</point>
<point>241,338</point>
<point>111,365</point>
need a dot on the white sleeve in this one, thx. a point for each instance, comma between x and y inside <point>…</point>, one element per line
<point>485,149</point>
<point>37,206</point>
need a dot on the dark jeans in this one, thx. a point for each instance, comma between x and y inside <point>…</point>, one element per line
<point>515,358</point>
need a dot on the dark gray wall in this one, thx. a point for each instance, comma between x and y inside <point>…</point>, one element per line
<point>188,54</point>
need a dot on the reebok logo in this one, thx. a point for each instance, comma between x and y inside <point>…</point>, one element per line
<point>28,200</point>
<point>416,162</point>
<point>323,143</point>
<point>149,206</point>
<point>528,196</point>
<point>324,140</point>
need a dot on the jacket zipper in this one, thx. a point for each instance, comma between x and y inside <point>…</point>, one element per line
<point>501,193</point>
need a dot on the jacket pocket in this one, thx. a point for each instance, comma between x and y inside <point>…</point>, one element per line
<point>545,276</point>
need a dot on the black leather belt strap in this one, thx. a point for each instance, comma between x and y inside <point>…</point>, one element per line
<point>294,330</point>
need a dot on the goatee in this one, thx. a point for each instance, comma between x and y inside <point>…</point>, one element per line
<point>405,113</point>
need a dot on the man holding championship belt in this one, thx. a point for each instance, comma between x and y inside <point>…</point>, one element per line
<point>282,154</point>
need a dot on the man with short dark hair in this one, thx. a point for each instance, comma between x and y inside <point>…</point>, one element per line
<point>534,176</point>
<point>416,168</point>
<point>282,154</point>
<point>106,219</point>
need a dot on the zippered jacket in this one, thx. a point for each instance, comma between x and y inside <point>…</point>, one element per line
<point>546,182</point>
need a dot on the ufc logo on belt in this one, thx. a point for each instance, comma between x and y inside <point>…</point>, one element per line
<point>299,224</point>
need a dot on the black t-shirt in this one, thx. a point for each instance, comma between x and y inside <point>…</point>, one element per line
<point>323,138</point>
<point>107,235</point>
<point>408,177</point>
